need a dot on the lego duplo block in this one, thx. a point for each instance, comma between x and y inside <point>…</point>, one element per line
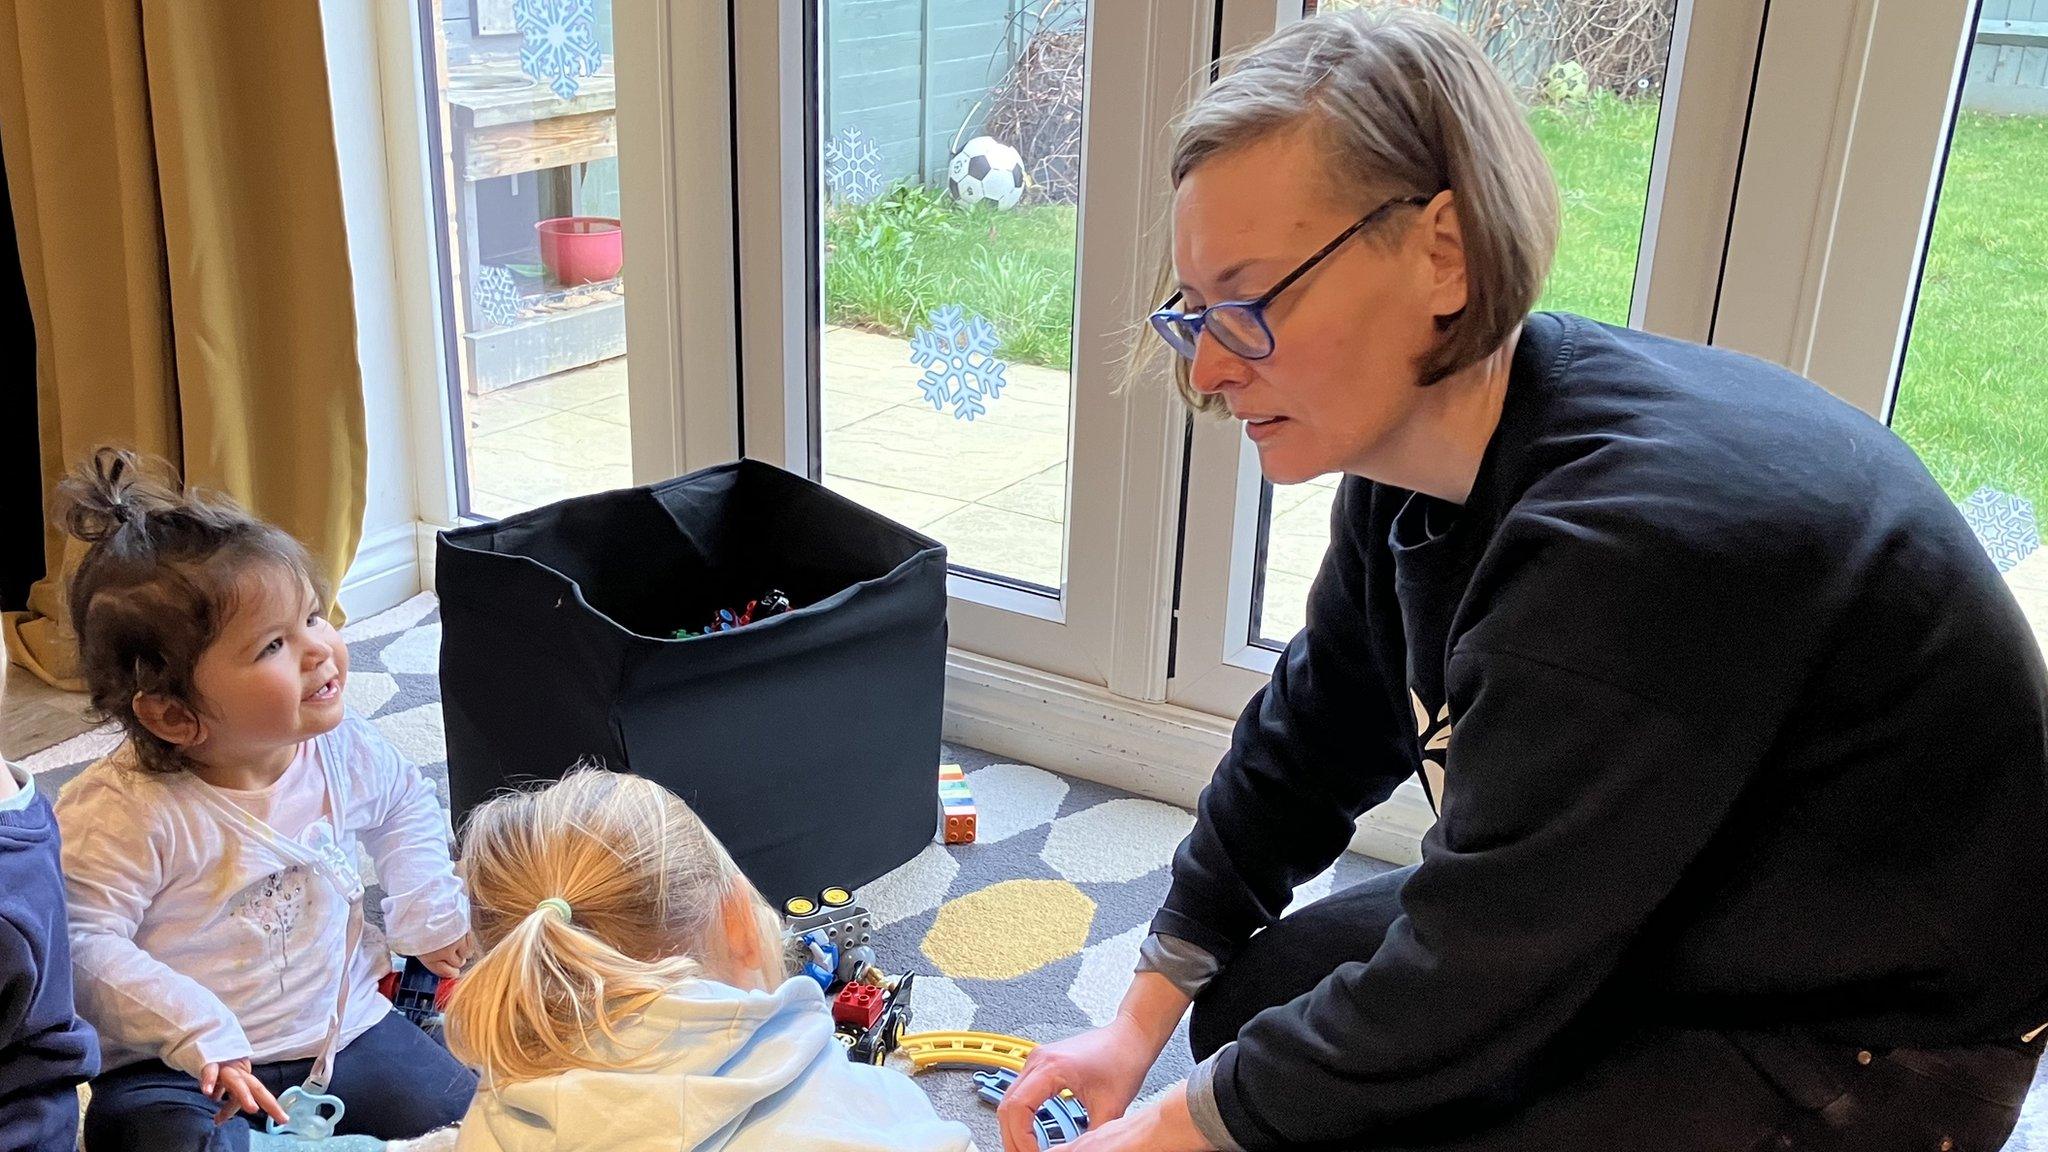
<point>858,1004</point>
<point>956,806</point>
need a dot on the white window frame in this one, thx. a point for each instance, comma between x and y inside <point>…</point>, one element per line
<point>1706,97</point>
<point>1110,625</point>
<point>676,203</point>
<point>680,277</point>
<point>1836,205</point>
<point>398,279</point>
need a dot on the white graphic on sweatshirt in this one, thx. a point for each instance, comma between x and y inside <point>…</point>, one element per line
<point>1435,738</point>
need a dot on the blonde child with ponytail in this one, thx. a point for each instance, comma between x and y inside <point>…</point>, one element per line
<point>633,995</point>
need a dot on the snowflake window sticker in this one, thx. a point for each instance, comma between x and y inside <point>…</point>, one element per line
<point>2005,523</point>
<point>497,296</point>
<point>853,167</point>
<point>559,42</point>
<point>958,354</point>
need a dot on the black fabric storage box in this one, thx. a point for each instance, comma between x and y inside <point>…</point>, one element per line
<point>809,742</point>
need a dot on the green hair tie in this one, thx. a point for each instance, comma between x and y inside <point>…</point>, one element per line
<point>558,906</point>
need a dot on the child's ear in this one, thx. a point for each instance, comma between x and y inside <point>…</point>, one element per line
<point>742,928</point>
<point>172,721</point>
<point>753,940</point>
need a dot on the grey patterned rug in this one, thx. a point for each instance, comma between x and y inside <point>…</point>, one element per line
<point>1030,931</point>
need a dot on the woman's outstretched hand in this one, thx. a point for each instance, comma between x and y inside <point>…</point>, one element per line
<point>1105,1068</point>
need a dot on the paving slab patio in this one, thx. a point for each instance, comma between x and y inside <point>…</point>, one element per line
<point>992,489</point>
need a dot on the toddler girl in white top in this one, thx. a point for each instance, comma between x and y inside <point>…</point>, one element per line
<point>216,911</point>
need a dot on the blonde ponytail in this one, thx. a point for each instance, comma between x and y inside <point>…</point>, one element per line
<point>645,882</point>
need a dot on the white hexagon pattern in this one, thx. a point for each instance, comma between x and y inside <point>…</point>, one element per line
<point>1117,841</point>
<point>1013,798</point>
<point>1105,975</point>
<point>938,1005</point>
<point>418,652</point>
<point>396,620</point>
<point>417,733</point>
<point>368,691</point>
<point>79,750</point>
<point>913,888</point>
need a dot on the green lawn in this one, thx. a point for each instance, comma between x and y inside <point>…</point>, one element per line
<point>1973,402</point>
<point>891,261</point>
<point>1601,154</point>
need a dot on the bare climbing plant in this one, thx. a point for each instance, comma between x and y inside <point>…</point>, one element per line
<point>1621,45</point>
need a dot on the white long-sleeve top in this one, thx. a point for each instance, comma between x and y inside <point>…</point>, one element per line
<point>193,941</point>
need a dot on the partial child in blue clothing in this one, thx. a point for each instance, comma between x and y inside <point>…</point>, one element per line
<point>634,996</point>
<point>46,1051</point>
<point>212,862</point>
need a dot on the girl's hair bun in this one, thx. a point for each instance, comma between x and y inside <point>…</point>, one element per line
<point>109,493</point>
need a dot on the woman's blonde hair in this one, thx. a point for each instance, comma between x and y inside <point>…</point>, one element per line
<point>1401,102</point>
<point>645,884</point>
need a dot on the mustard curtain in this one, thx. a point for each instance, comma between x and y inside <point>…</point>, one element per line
<point>178,204</point>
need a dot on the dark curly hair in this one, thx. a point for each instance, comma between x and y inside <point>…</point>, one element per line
<point>162,574</point>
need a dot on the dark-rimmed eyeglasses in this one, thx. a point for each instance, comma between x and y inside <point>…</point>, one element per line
<point>1240,325</point>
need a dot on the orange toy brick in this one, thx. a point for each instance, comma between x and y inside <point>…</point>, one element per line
<point>956,806</point>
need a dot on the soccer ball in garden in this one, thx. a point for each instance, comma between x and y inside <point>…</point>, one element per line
<point>986,170</point>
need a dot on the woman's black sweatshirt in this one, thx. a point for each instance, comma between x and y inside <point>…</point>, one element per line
<point>1729,720</point>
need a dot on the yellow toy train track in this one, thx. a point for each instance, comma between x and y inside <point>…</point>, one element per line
<point>965,1050</point>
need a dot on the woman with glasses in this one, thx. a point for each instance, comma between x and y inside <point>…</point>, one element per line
<point>1737,740</point>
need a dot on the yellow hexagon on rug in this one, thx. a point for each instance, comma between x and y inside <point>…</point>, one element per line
<point>1008,929</point>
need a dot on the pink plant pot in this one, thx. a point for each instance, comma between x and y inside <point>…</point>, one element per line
<point>581,249</point>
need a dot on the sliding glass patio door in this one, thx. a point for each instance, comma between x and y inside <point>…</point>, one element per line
<point>560,234</point>
<point>948,211</point>
<point>951,222</point>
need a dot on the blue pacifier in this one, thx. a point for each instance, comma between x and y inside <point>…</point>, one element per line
<point>303,1114</point>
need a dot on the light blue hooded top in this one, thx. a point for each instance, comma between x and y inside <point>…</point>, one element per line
<point>738,1071</point>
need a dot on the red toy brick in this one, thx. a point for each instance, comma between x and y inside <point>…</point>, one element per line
<point>858,1004</point>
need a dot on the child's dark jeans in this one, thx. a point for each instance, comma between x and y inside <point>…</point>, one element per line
<point>396,1081</point>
